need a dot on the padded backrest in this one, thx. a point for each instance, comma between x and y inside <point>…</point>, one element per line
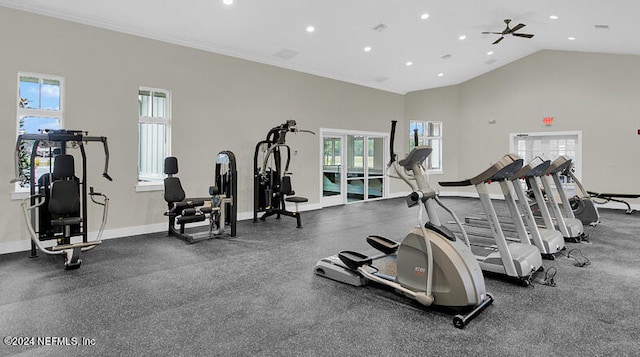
<point>173,191</point>
<point>286,188</point>
<point>63,167</point>
<point>64,194</point>
<point>171,165</point>
<point>65,199</point>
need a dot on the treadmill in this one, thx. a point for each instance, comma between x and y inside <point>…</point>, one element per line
<point>548,241</point>
<point>516,260</point>
<point>571,228</point>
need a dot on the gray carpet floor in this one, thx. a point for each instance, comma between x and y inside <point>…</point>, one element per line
<point>256,295</point>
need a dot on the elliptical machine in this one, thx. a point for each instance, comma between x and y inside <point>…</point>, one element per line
<point>433,266</point>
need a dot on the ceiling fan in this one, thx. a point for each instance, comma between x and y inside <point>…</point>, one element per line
<point>509,31</point>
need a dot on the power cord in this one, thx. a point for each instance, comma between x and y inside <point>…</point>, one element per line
<point>548,279</point>
<point>580,259</point>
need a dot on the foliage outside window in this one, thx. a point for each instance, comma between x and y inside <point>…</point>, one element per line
<point>332,152</point>
<point>39,107</point>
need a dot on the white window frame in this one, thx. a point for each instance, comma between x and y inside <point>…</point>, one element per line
<point>19,192</point>
<point>577,160</point>
<point>146,183</point>
<point>425,138</point>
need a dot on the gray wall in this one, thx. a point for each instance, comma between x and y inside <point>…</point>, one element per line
<point>440,104</point>
<point>223,103</point>
<point>219,103</point>
<point>593,93</point>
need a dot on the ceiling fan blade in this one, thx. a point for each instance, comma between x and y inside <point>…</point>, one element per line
<point>517,27</point>
<point>491,33</point>
<point>498,40</point>
<point>526,35</point>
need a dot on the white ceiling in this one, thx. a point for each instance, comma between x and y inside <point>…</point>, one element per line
<point>258,29</point>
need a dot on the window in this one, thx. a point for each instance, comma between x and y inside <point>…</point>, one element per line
<point>332,154</point>
<point>430,134</point>
<point>154,133</point>
<point>39,107</point>
<point>550,145</point>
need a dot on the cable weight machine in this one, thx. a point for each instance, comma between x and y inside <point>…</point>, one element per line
<point>271,176</point>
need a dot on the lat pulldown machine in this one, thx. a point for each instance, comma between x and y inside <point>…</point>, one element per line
<point>61,197</point>
<point>271,181</point>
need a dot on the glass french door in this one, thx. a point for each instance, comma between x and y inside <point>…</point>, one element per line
<point>332,172</point>
<point>353,168</point>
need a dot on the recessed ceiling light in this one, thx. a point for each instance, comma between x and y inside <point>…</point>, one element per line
<point>310,28</point>
<point>440,74</point>
<point>489,53</point>
<point>424,16</point>
<point>571,38</point>
<point>409,63</point>
<point>367,49</point>
<point>553,17</point>
<point>462,37</point>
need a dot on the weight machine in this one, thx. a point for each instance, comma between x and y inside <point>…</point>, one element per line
<point>221,209</point>
<point>271,181</point>
<point>57,205</point>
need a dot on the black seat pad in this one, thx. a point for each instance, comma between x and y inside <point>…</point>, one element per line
<point>296,199</point>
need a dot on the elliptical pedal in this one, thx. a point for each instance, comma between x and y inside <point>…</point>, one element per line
<point>354,260</point>
<point>385,245</point>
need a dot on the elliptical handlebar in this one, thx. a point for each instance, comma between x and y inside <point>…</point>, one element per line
<point>392,154</point>
<point>397,171</point>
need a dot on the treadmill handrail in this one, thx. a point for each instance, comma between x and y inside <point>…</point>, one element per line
<point>505,167</point>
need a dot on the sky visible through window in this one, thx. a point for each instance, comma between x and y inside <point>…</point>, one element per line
<point>40,95</point>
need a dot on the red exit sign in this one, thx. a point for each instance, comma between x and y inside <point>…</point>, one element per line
<point>549,121</point>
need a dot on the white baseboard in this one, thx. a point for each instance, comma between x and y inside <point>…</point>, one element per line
<point>25,244</point>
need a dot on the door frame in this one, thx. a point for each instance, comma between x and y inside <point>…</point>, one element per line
<point>342,134</point>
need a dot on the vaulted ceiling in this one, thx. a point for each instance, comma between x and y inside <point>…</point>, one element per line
<point>398,46</point>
